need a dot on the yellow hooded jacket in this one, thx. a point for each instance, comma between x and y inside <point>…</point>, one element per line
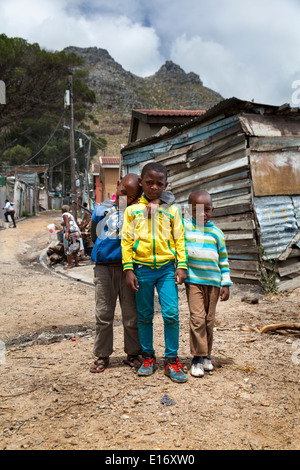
<point>153,241</point>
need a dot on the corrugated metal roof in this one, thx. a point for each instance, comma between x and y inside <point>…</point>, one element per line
<point>32,169</point>
<point>279,220</point>
<point>172,112</point>
<point>226,107</point>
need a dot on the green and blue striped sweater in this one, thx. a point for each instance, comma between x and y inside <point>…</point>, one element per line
<point>207,255</point>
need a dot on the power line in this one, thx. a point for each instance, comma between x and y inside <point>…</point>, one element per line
<point>102,147</point>
<point>41,149</point>
<point>56,164</point>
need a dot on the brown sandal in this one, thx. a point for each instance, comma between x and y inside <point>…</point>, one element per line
<point>133,361</point>
<point>100,365</point>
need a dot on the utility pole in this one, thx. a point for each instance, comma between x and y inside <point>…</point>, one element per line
<point>86,176</point>
<point>72,152</point>
<point>82,144</point>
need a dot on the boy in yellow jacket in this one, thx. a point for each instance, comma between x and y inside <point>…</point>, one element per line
<point>154,255</point>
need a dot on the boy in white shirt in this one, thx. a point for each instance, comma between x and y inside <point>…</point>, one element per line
<point>9,210</point>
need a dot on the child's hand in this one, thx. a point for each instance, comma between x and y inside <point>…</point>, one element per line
<point>151,208</point>
<point>131,280</point>
<point>224,294</point>
<point>180,276</point>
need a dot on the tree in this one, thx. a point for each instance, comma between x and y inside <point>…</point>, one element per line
<point>35,79</point>
<point>35,82</point>
<point>31,121</point>
<point>17,154</point>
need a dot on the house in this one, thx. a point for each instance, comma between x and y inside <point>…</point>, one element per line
<point>247,155</point>
<point>26,187</point>
<point>97,184</point>
<point>109,174</point>
<point>148,122</point>
<point>106,176</point>
<point>25,197</point>
<point>35,177</point>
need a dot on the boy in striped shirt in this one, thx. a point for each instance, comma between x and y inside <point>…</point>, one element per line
<point>208,278</point>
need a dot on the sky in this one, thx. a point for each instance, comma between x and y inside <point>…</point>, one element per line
<point>248,49</point>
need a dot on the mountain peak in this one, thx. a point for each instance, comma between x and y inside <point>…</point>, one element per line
<point>169,88</point>
<point>118,92</point>
<point>170,71</point>
<point>170,66</point>
<point>91,55</point>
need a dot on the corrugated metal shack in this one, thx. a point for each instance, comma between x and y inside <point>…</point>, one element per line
<point>247,155</point>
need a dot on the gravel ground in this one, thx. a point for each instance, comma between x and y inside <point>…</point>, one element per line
<point>50,400</point>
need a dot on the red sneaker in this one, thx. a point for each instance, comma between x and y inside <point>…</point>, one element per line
<point>148,366</point>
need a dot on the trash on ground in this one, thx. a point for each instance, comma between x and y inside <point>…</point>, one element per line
<point>167,401</point>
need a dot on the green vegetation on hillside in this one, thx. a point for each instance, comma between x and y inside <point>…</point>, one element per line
<point>33,118</point>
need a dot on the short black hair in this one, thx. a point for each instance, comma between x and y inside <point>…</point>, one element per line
<point>198,193</point>
<point>155,166</point>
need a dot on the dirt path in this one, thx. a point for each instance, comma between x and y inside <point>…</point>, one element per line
<point>50,400</point>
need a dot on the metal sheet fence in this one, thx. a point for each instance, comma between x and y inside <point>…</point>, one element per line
<point>279,221</point>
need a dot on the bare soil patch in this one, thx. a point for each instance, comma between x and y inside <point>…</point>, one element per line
<point>50,400</point>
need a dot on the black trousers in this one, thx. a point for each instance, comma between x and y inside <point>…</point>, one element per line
<point>12,215</point>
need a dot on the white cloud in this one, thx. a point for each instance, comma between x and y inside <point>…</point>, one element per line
<point>247,49</point>
<point>134,46</point>
<point>223,71</point>
<point>212,61</point>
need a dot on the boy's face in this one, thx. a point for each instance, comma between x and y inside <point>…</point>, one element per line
<point>153,184</point>
<point>202,209</point>
<point>128,188</point>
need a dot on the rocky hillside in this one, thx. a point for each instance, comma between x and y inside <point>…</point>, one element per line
<point>119,91</point>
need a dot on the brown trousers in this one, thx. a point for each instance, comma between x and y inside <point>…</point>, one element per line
<point>202,302</point>
<point>109,286</point>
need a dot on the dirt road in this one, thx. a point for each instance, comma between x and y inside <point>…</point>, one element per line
<point>50,400</point>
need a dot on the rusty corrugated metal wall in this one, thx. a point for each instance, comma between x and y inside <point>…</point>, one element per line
<point>274,143</point>
<point>242,153</point>
<point>279,222</point>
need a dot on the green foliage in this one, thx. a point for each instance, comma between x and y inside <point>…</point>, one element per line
<point>79,114</point>
<point>17,154</point>
<point>36,81</point>
<point>82,90</point>
<point>267,276</point>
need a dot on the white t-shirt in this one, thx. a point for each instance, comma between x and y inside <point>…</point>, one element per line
<point>8,207</point>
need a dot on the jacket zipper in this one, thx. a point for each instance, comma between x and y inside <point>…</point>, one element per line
<point>153,239</point>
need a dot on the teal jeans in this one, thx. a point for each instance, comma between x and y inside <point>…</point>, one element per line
<point>164,281</point>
